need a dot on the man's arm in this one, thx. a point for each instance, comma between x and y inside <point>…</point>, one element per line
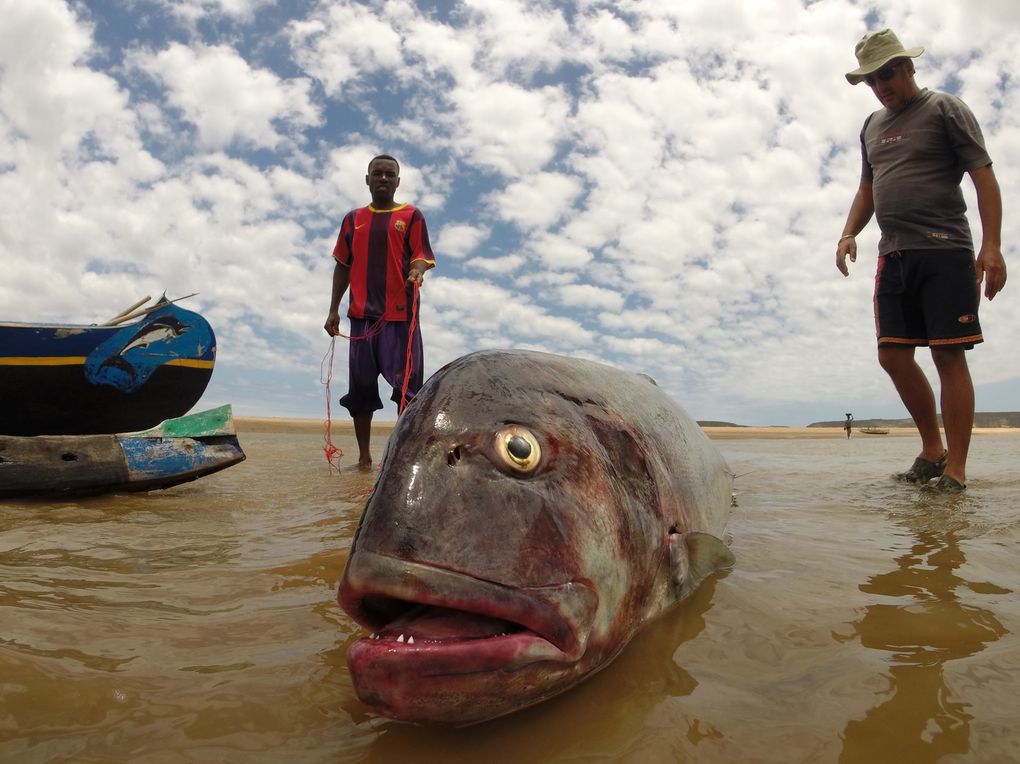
<point>861,210</point>
<point>341,280</point>
<point>422,258</point>
<point>990,264</point>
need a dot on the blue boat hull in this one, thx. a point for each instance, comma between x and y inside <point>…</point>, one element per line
<point>82,380</point>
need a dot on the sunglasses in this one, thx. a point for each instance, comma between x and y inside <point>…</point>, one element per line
<point>884,74</point>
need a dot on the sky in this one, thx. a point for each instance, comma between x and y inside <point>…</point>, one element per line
<point>656,185</point>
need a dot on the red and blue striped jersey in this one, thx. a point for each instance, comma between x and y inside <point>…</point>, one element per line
<point>378,246</point>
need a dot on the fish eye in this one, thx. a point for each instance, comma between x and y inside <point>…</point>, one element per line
<point>519,449</point>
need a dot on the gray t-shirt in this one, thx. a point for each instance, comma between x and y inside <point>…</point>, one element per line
<point>915,159</point>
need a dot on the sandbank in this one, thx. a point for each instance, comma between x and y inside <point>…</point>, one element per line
<point>345,426</point>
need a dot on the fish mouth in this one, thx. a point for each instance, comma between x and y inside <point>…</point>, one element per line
<point>437,622</point>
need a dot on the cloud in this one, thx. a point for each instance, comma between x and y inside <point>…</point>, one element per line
<point>342,42</point>
<point>591,297</point>
<point>227,100</point>
<point>192,11</point>
<point>497,265</point>
<point>458,240</point>
<point>526,204</point>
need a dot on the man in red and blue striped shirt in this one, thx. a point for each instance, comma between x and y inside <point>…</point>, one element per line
<point>381,254</point>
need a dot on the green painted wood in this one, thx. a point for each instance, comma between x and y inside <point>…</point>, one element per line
<point>204,424</point>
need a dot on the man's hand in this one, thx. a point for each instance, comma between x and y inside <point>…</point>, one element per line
<point>847,247</point>
<point>415,276</point>
<point>332,325</point>
<point>991,267</point>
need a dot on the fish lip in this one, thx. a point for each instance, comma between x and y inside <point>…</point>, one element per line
<point>556,619</point>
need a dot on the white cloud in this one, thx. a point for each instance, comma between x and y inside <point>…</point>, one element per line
<point>518,38</point>
<point>190,12</point>
<point>226,99</point>
<point>344,41</point>
<point>591,297</point>
<point>497,265</point>
<point>526,203</point>
<point>508,128</point>
<point>458,240</point>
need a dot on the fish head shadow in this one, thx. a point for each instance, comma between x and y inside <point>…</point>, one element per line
<point>524,527</point>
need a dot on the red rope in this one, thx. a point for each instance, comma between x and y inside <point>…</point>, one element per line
<point>410,345</point>
<point>373,330</point>
<point>331,450</point>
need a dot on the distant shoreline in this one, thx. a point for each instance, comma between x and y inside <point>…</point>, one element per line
<point>345,426</point>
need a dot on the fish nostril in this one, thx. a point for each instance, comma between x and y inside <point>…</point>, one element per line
<point>454,456</point>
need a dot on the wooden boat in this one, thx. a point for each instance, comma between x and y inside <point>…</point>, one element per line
<point>176,451</point>
<point>68,379</point>
<point>875,430</point>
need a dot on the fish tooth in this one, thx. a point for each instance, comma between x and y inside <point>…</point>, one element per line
<point>410,640</point>
<point>400,638</point>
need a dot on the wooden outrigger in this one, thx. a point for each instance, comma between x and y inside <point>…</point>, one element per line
<point>176,451</point>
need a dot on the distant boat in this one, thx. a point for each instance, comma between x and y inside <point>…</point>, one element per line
<point>70,379</point>
<point>874,430</point>
<point>176,451</point>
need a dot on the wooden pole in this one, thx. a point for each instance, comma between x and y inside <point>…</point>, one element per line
<point>146,311</point>
<point>127,310</point>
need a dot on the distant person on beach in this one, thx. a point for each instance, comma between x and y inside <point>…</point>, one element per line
<point>381,253</point>
<point>848,425</point>
<point>915,151</point>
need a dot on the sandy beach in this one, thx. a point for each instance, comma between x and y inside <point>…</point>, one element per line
<point>345,426</point>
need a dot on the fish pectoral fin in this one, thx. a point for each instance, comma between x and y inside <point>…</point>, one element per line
<point>693,557</point>
<point>707,554</point>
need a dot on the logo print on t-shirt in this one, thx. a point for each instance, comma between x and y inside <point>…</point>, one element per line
<point>400,225</point>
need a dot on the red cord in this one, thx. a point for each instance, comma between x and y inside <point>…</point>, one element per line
<point>331,450</point>
<point>410,346</point>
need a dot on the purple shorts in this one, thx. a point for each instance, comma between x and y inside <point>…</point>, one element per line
<point>385,352</point>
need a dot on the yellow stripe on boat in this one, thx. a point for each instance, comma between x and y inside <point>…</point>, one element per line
<point>192,363</point>
<point>66,360</point>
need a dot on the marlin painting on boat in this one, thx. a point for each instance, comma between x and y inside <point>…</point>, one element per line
<point>129,374</point>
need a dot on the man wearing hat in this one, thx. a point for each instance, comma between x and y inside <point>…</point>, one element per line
<point>915,150</point>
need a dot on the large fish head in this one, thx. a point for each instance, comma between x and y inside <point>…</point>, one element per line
<point>513,544</point>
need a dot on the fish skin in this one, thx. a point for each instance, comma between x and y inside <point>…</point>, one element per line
<point>489,590</point>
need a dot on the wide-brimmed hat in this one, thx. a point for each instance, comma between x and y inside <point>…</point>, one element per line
<point>875,50</point>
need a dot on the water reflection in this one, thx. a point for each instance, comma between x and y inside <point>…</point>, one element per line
<point>925,620</point>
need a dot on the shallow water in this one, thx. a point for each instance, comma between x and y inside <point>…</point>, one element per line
<point>864,622</point>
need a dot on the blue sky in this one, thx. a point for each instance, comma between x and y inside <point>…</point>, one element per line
<point>654,184</point>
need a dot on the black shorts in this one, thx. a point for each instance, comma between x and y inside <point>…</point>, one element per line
<point>927,297</point>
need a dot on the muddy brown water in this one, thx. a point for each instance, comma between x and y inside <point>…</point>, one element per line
<point>864,622</point>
